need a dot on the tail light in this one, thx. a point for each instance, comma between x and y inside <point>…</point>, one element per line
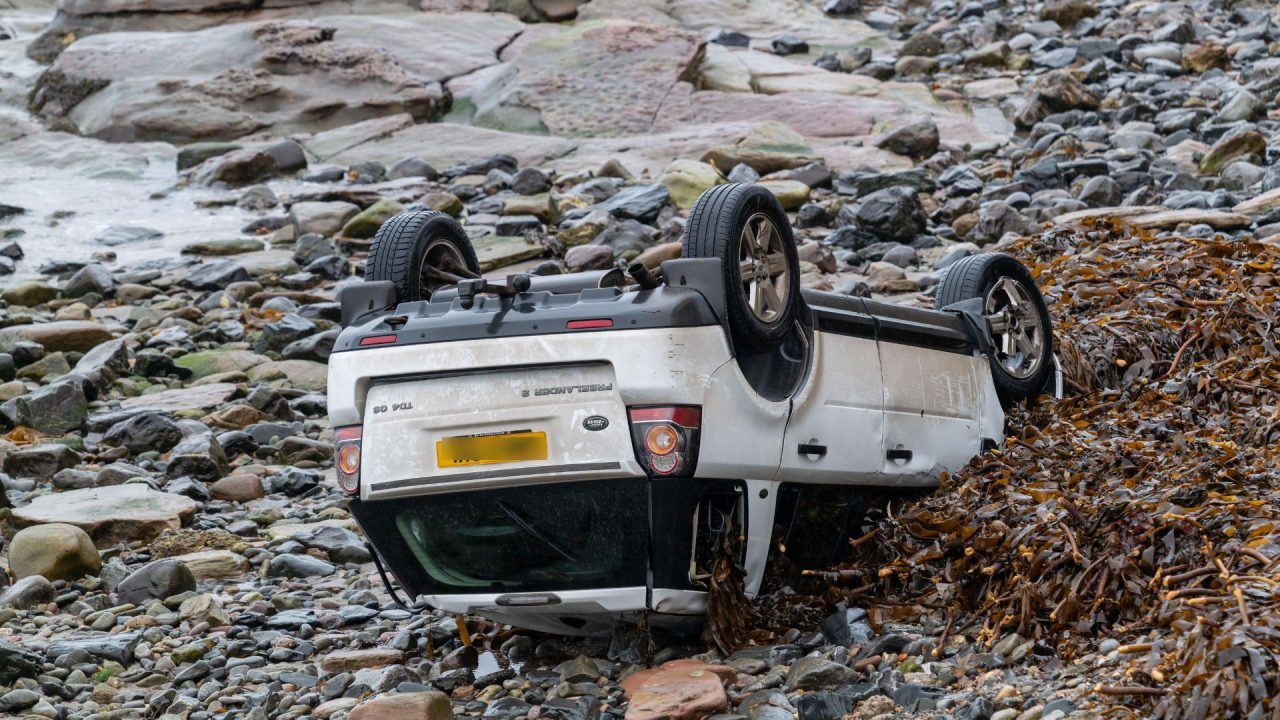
<point>666,439</point>
<point>346,458</point>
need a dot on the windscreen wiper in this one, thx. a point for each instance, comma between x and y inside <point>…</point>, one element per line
<point>535,533</point>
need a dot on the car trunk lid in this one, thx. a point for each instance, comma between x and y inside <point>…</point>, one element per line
<point>494,428</point>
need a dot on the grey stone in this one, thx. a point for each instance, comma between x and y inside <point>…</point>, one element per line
<point>156,580</point>
<point>28,592</point>
<point>298,566</point>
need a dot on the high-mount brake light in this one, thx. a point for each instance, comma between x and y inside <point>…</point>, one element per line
<point>346,451</point>
<point>377,340</point>
<point>589,324</point>
<point>666,438</point>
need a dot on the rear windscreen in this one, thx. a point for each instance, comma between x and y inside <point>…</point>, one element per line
<point>568,536</point>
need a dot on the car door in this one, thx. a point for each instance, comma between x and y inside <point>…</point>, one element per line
<point>933,400</point>
<point>836,430</point>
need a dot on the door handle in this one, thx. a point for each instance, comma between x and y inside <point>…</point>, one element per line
<point>899,454</point>
<point>812,449</point>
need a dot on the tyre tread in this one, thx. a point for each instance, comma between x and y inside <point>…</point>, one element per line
<point>395,245</point>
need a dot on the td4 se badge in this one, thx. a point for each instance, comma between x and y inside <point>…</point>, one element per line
<point>393,407</point>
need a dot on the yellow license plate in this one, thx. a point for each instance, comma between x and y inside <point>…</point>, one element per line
<point>488,449</point>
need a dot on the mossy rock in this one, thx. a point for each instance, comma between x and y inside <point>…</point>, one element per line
<point>366,223</point>
<point>685,180</point>
<point>211,362</point>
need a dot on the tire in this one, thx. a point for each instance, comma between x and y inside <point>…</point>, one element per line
<point>715,229</point>
<point>1027,372</point>
<point>410,242</point>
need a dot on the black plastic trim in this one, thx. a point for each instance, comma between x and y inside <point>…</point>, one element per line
<point>935,329</point>
<point>539,470</point>
<point>533,313</point>
<point>360,299</point>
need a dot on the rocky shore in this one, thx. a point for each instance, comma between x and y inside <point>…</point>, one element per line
<point>184,186</point>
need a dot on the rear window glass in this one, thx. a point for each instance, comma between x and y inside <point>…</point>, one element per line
<point>532,538</point>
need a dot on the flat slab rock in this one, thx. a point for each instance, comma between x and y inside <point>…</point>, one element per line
<point>230,80</point>
<point>284,531</point>
<point>678,690</point>
<point>117,513</point>
<point>1158,217</point>
<point>197,397</point>
<point>61,335</point>
<point>1259,204</point>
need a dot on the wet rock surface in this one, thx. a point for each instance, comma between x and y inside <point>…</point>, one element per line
<point>184,186</point>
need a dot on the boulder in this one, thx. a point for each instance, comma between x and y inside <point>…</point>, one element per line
<point>918,139</point>
<point>192,155</point>
<point>237,488</point>
<point>815,673</point>
<point>120,513</point>
<point>54,409</point>
<point>58,336</point>
<point>761,20</point>
<point>40,460</point>
<point>298,566</point>
<point>56,551</point>
<point>769,146</point>
<point>16,662</point>
<point>685,180</point>
<point>1238,145</point>
<point>322,218</point>
<point>365,223</point>
<point>226,246</point>
<point>1055,91</point>
<point>893,214</point>
<point>213,362</point>
<point>214,564</point>
<point>143,432</point>
<point>337,662</point>
<point>198,456</point>
<point>215,275</point>
<point>28,592</point>
<point>92,278</point>
<point>428,705</point>
<point>116,646</point>
<point>238,167</point>
<point>340,544</point>
<point>104,363</point>
<point>29,294</point>
<point>203,608</point>
<point>303,374</point>
<point>156,580</point>
<point>684,689</point>
<point>790,193</point>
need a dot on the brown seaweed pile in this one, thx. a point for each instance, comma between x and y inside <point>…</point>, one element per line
<point>1146,504</point>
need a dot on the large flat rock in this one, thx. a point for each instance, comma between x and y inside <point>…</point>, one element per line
<point>762,20</point>
<point>632,67</point>
<point>197,397</point>
<point>82,18</point>
<point>440,144</point>
<point>118,513</point>
<point>228,81</point>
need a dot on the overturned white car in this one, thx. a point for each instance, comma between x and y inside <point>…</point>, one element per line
<point>560,451</point>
